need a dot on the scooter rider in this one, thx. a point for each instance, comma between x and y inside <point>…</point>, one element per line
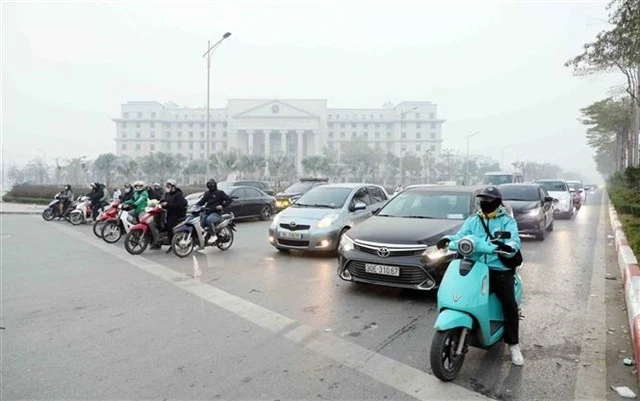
<point>501,279</point>
<point>139,199</point>
<point>66,197</point>
<point>214,200</point>
<point>175,204</point>
<point>96,196</point>
<point>127,194</point>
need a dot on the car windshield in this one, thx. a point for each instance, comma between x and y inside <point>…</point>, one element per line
<point>575,185</point>
<point>324,197</point>
<point>429,205</point>
<point>299,187</point>
<point>520,192</point>
<point>497,179</point>
<point>554,186</point>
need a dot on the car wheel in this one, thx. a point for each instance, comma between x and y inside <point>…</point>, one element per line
<point>550,226</point>
<point>266,213</point>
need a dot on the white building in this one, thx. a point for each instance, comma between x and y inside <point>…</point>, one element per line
<point>271,127</point>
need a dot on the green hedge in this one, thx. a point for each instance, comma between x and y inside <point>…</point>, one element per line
<point>624,192</point>
<point>36,191</point>
<point>37,201</point>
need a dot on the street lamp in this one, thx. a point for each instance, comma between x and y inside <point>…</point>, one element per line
<point>466,176</point>
<point>208,54</point>
<point>402,114</point>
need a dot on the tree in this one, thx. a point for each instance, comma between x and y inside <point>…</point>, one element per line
<point>281,167</point>
<point>225,163</point>
<point>15,174</point>
<point>412,166</point>
<point>195,171</point>
<point>37,171</point>
<point>358,158</point>
<point>391,166</point>
<point>104,167</point>
<point>128,169</point>
<point>315,165</point>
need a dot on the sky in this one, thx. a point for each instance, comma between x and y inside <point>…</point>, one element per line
<point>491,66</point>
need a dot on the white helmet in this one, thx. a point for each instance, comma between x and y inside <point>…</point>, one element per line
<point>171,182</point>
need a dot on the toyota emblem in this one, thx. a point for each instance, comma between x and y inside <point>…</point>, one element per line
<point>292,224</point>
<point>383,252</point>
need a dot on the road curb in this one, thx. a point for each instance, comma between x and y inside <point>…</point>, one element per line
<point>33,213</point>
<point>630,273</point>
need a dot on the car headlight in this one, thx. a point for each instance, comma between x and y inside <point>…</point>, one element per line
<point>533,212</point>
<point>433,254</point>
<point>346,243</point>
<point>327,220</point>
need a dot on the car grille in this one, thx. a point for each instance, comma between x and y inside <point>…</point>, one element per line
<point>291,242</point>
<point>392,252</point>
<point>412,275</point>
<point>295,228</point>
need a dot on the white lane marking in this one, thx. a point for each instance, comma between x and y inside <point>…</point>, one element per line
<point>590,380</point>
<point>397,375</point>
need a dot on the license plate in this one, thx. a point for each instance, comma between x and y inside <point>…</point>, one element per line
<point>382,269</point>
<point>289,235</point>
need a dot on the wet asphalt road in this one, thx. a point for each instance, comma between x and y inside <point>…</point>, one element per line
<point>85,320</point>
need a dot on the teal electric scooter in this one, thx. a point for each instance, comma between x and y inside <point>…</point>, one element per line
<point>469,314</point>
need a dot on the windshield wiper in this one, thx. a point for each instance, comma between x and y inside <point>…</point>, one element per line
<point>300,205</point>
<point>523,200</point>
<point>418,217</point>
<point>386,215</point>
<point>321,205</point>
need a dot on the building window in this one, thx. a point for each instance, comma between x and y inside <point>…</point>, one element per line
<point>418,125</point>
<point>337,116</point>
<point>191,146</point>
<point>342,135</point>
<point>418,148</point>
<point>190,134</point>
<point>138,134</point>
<point>190,125</point>
<point>432,116</point>
<point>354,125</point>
<point>152,125</point>
<point>353,135</point>
<point>433,125</point>
<point>377,135</point>
<point>388,135</point>
<point>123,125</point>
<point>381,116</point>
<point>330,145</point>
<point>179,145</point>
<point>376,125</point>
<point>125,115</point>
<point>433,148</point>
<point>139,115</point>
<point>433,135</point>
<point>201,146</point>
<point>404,148</point>
<point>179,134</point>
<point>137,146</point>
<point>153,134</point>
<point>404,135</point>
<point>123,146</point>
<point>186,116</point>
<point>372,116</point>
<point>152,147</point>
<point>201,125</point>
<point>418,135</point>
<point>124,134</point>
<point>201,155</point>
<point>179,125</point>
<point>417,116</point>
<point>389,126</point>
<point>153,115</point>
<point>366,135</point>
<point>330,134</point>
<point>224,145</point>
<point>137,125</point>
<point>403,126</point>
<point>202,134</point>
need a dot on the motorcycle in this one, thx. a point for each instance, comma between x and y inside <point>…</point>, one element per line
<point>53,210</point>
<point>577,200</point>
<point>147,231</point>
<point>103,218</point>
<point>114,229</point>
<point>469,313</point>
<point>191,233</point>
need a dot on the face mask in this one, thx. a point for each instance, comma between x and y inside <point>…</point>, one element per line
<point>212,187</point>
<point>488,207</point>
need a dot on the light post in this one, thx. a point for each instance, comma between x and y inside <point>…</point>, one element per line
<point>402,114</point>
<point>208,54</point>
<point>466,176</point>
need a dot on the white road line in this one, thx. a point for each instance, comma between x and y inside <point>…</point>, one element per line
<point>591,377</point>
<point>397,375</point>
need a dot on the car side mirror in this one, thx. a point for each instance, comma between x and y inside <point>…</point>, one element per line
<point>359,205</point>
<point>549,199</point>
<point>502,234</point>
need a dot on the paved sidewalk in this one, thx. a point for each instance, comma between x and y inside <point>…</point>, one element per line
<point>20,208</point>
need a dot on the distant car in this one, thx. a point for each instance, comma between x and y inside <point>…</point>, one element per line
<point>559,189</point>
<point>396,247</point>
<point>318,220</point>
<point>248,202</point>
<point>295,191</point>
<point>532,208</point>
<point>577,186</point>
<point>261,185</point>
<point>502,177</point>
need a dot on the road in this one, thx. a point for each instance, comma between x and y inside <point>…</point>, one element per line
<point>85,320</point>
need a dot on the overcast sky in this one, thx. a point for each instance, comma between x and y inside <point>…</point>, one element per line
<point>493,67</point>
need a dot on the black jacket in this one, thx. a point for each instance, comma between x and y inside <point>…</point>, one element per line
<point>211,199</point>
<point>96,194</point>
<point>154,194</point>
<point>126,195</point>
<point>176,203</point>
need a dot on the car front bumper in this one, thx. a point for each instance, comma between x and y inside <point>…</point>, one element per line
<point>529,225</point>
<point>312,239</point>
<point>414,272</point>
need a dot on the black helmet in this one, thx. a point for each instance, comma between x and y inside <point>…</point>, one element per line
<point>212,184</point>
<point>491,192</point>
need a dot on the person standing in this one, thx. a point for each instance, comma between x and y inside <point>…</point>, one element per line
<point>176,206</point>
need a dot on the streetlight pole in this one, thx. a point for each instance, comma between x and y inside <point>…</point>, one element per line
<point>208,55</point>
<point>468,137</point>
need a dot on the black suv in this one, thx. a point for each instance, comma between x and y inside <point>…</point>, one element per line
<point>261,185</point>
<point>295,191</point>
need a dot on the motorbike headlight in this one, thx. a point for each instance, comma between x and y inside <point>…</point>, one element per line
<point>346,243</point>
<point>327,220</point>
<point>533,212</point>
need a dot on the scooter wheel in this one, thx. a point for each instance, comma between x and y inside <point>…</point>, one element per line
<point>97,228</point>
<point>181,246</point>
<point>225,239</point>
<point>111,232</point>
<point>136,242</point>
<point>76,218</point>
<point>48,214</point>
<point>445,364</point>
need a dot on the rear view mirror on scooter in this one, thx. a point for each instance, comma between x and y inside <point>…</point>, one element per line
<point>502,235</point>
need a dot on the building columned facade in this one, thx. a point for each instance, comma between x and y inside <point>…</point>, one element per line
<point>298,128</point>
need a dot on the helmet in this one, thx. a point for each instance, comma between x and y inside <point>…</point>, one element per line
<point>212,184</point>
<point>156,185</point>
<point>490,192</point>
<point>138,185</point>
<point>171,182</point>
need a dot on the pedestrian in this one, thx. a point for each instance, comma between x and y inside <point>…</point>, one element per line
<point>176,206</point>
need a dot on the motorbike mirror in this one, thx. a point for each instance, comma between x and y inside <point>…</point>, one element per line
<point>502,235</point>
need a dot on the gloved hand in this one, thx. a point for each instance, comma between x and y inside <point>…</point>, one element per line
<point>443,243</point>
<point>504,247</point>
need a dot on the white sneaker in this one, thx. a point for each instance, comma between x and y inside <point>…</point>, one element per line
<point>516,355</point>
<point>213,239</point>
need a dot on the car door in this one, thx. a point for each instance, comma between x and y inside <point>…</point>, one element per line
<point>360,195</point>
<point>254,201</point>
<point>239,205</point>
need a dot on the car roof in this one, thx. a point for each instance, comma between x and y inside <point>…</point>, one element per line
<point>445,188</point>
<point>236,187</point>
<point>520,184</point>
<point>551,180</point>
<point>502,173</point>
<point>351,185</point>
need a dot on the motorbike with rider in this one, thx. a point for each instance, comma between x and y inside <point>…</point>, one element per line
<point>175,204</point>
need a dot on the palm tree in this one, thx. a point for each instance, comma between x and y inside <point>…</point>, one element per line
<point>314,164</point>
<point>281,167</point>
<point>195,169</point>
<point>128,168</point>
<point>104,167</point>
<point>75,171</point>
<point>225,163</point>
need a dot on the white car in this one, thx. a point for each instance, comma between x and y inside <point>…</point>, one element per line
<point>559,189</point>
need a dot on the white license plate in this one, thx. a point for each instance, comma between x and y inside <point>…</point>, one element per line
<point>289,235</point>
<point>382,269</point>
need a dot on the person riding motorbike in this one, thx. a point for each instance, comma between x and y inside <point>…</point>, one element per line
<point>127,194</point>
<point>214,201</point>
<point>66,197</point>
<point>139,199</point>
<point>175,204</point>
<point>155,192</point>
<point>97,197</point>
<point>495,217</point>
